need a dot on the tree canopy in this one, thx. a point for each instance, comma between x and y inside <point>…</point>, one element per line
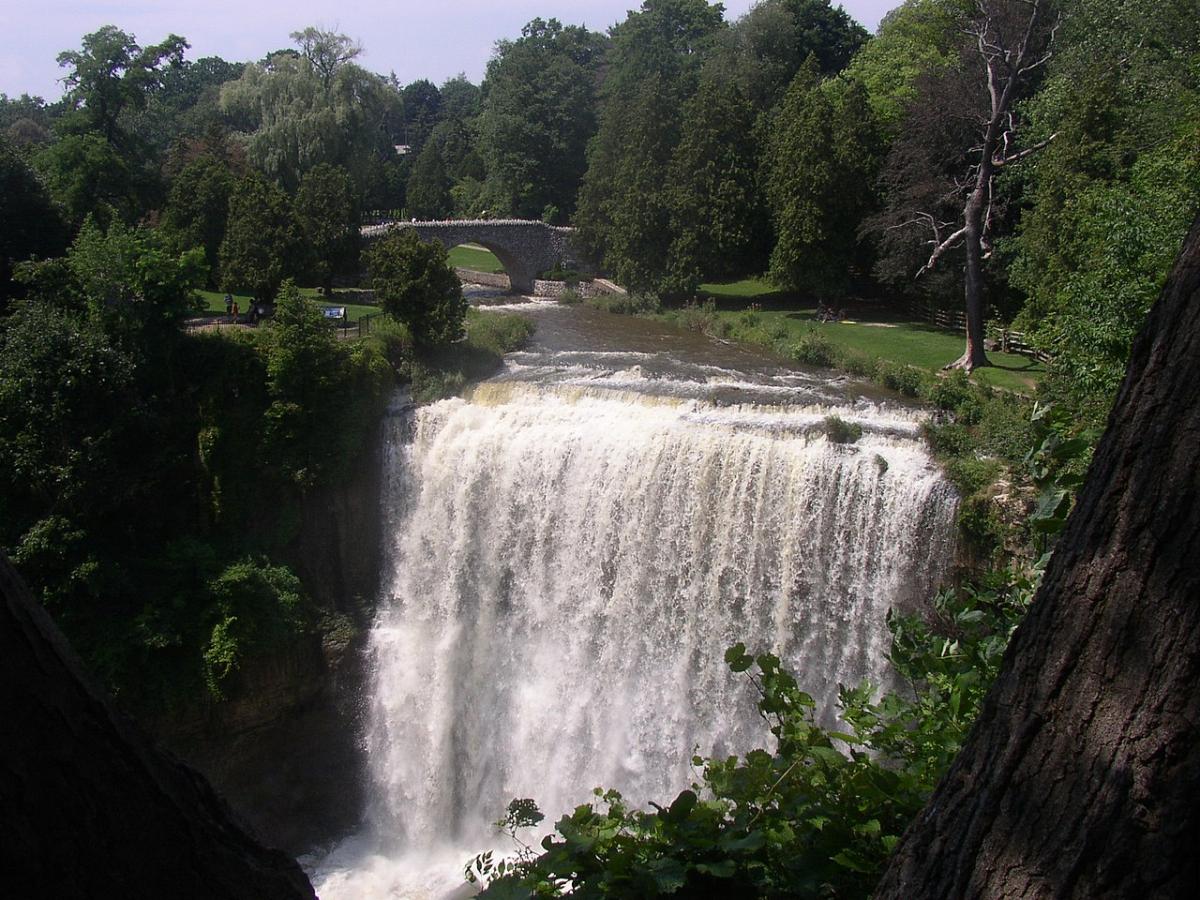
<point>539,112</point>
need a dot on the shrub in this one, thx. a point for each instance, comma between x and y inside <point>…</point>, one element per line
<point>1004,426</point>
<point>627,304</point>
<point>414,283</point>
<point>570,297</point>
<point>906,380</point>
<point>949,440</point>
<point>258,608</point>
<point>971,475</point>
<point>860,364</point>
<point>697,316</point>
<point>979,526</point>
<point>392,339</point>
<point>839,431</point>
<point>955,393</point>
<point>814,349</point>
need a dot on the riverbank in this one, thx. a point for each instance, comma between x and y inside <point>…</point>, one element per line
<point>752,310</point>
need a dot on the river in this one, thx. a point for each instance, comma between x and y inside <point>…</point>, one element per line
<point>571,548</point>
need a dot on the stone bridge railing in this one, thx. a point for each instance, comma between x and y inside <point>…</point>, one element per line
<point>524,247</point>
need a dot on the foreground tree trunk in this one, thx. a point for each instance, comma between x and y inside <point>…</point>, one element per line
<point>89,808</point>
<point>1082,776</point>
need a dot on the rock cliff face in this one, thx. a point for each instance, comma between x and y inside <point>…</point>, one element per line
<point>91,809</point>
<point>283,749</point>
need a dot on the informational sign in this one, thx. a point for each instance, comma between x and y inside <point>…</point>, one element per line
<point>334,312</point>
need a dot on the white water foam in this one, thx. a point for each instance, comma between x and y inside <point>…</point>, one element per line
<point>565,570</point>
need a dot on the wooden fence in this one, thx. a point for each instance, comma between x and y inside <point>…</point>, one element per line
<point>1006,340</point>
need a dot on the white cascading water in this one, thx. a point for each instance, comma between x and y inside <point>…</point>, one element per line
<point>568,561</point>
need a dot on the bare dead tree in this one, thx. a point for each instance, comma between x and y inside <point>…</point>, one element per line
<point>1012,39</point>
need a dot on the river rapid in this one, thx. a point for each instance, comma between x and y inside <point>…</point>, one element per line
<point>570,549</point>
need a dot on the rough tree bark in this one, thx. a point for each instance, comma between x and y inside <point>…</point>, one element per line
<point>87,807</point>
<point>1082,776</point>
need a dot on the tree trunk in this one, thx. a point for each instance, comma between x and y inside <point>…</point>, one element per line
<point>90,809</point>
<point>974,356</point>
<point>1082,776</point>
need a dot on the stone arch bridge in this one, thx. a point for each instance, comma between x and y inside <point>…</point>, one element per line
<point>524,247</point>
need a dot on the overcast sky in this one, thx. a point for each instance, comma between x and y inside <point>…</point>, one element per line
<point>414,38</point>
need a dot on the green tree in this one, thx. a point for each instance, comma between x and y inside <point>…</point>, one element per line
<point>718,223</point>
<point>134,281</point>
<point>111,73</point>
<point>67,392</point>
<point>539,112</point>
<point>303,368</point>
<point>30,224</point>
<point>262,244</point>
<point>765,48</point>
<point>185,105</point>
<point>461,99</point>
<point>917,38</point>
<point>1110,199</point>
<point>296,115</point>
<point>326,213</point>
<point>103,163</point>
<point>198,208</point>
<point>415,284</point>
<point>428,191</point>
<point>820,164</point>
<point>88,176</point>
<point>421,105</point>
<point>624,209</point>
<point>326,51</point>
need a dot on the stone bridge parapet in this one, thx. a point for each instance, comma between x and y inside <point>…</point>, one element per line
<point>525,247</point>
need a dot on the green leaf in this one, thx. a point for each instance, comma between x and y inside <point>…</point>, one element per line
<point>848,859</point>
<point>738,659</point>
<point>669,874</point>
<point>726,868</point>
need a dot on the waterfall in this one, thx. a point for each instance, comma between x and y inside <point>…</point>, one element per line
<point>566,564</point>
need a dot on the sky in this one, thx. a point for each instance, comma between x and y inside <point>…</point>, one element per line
<point>414,38</point>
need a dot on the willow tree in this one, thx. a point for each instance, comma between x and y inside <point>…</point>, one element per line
<point>299,110</point>
<point>1081,775</point>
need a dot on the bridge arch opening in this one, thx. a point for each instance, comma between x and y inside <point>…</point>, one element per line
<point>474,256</point>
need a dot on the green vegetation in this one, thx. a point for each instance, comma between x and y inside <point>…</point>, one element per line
<point>874,336</point>
<point>148,464</point>
<point>156,478</point>
<point>414,284</point>
<point>840,431</point>
<point>538,114</point>
<point>816,817</point>
<point>447,370</point>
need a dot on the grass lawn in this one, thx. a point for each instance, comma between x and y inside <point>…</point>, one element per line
<point>872,329</point>
<point>475,258</point>
<point>214,302</point>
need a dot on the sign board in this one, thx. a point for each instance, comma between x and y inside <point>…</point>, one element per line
<point>334,312</point>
